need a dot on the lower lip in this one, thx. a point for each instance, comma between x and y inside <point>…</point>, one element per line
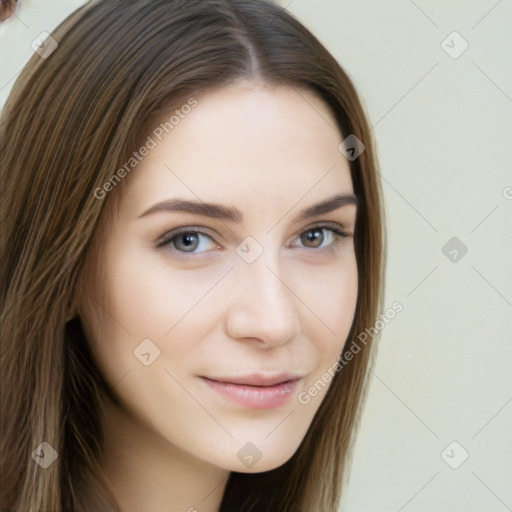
<point>255,397</point>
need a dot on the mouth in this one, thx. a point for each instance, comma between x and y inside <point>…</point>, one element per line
<point>255,391</point>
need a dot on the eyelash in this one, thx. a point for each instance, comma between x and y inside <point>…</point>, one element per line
<point>167,239</point>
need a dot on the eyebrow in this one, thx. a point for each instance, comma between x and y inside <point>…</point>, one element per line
<point>230,213</point>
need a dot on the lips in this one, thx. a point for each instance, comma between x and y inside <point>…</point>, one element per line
<point>255,391</point>
<point>257,380</point>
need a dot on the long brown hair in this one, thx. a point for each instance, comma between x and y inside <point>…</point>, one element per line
<point>75,113</point>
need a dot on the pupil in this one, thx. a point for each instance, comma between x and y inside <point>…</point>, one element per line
<point>187,242</point>
<point>313,238</point>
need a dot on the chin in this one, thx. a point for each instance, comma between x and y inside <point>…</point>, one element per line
<point>266,465</point>
<point>255,454</point>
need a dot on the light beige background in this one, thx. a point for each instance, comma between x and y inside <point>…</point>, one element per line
<point>443,127</point>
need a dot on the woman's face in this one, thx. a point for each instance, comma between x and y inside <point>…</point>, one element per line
<point>228,279</point>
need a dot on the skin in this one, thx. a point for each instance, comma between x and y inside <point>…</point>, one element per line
<point>271,153</point>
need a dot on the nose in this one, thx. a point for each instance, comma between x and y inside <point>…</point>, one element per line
<point>262,308</point>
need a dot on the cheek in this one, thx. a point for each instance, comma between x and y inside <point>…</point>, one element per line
<point>329,294</point>
<point>150,298</point>
<point>338,302</point>
<point>331,298</point>
<point>140,297</point>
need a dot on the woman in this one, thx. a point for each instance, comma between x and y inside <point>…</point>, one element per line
<point>192,239</point>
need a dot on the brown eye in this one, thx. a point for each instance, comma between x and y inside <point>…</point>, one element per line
<point>313,237</point>
<point>326,236</point>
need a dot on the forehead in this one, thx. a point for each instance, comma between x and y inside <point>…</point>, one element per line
<point>243,143</point>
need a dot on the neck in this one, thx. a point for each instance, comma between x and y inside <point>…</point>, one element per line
<point>148,473</point>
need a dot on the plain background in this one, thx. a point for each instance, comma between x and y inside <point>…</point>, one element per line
<point>443,128</point>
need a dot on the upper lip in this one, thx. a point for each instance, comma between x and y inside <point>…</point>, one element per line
<point>258,379</point>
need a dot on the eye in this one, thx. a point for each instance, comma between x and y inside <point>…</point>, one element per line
<point>322,237</point>
<point>187,241</point>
